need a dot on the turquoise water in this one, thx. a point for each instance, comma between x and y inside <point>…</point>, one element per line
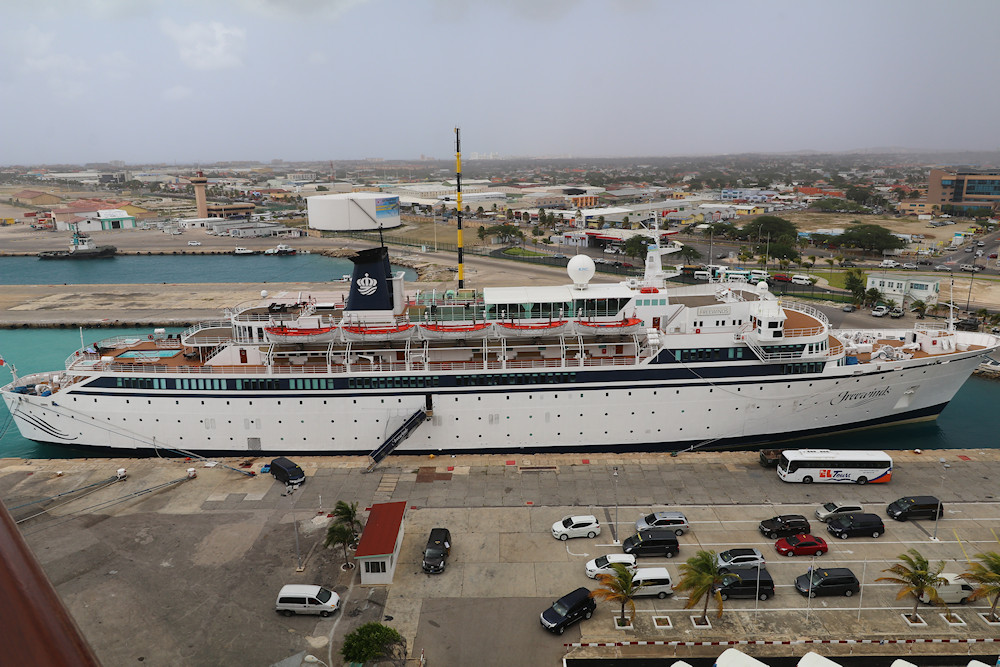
<point>129,269</point>
<point>964,424</point>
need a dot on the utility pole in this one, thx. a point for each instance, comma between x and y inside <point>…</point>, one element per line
<point>458,191</point>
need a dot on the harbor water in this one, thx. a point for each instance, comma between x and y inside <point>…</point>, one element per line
<point>963,424</point>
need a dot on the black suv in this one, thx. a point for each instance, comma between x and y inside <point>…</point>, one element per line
<point>652,542</point>
<point>915,507</point>
<point>854,525</point>
<point>831,581</point>
<point>784,526</point>
<point>746,583</point>
<point>287,471</point>
<point>567,610</point>
<point>437,550</point>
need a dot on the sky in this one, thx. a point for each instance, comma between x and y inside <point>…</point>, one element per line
<point>182,81</point>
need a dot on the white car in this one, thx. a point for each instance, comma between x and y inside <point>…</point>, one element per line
<point>585,525</point>
<point>737,558</point>
<point>602,565</point>
<point>194,242</point>
<point>880,311</point>
<point>909,265</point>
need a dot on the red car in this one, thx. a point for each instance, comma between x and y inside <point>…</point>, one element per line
<point>992,255</point>
<point>801,545</point>
<point>781,278</point>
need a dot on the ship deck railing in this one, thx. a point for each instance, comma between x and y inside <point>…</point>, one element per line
<point>85,363</point>
<point>201,326</point>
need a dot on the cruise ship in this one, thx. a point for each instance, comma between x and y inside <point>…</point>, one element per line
<point>586,366</point>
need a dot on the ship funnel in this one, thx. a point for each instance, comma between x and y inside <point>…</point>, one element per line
<point>370,286</point>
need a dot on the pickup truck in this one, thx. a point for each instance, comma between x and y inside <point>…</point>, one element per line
<point>896,312</point>
<point>888,264</point>
<point>880,311</point>
<point>971,267</point>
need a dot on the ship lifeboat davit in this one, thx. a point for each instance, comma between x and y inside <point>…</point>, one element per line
<point>283,334</point>
<point>626,326</point>
<point>476,331</point>
<point>533,329</point>
<point>364,332</point>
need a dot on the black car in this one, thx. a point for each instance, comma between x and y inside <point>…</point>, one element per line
<point>567,610</point>
<point>830,581</point>
<point>652,542</point>
<point>915,507</point>
<point>784,526</point>
<point>437,550</point>
<point>746,583</point>
<point>855,525</point>
<point>848,264</point>
<point>287,471</point>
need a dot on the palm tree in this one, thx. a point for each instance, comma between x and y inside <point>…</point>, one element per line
<point>618,588</point>
<point>916,577</point>
<point>339,533</point>
<point>812,260</point>
<point>920,307</point>
<point>987,577</point>
<point>347,515</point>
<point>700,576</point>
<point>873,296</point>
<point>829,261</point>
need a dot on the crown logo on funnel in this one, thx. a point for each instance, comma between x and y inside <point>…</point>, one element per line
<point>367,285</point>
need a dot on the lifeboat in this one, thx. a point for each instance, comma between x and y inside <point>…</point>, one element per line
<point>363,332</point>
<point>532,329</point>
<point>475,331</point>
<point>629,325</point>
<point>283,334</point>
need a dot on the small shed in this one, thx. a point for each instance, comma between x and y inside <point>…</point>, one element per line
<point>381,540</point>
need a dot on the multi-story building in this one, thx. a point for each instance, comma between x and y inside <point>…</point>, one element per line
<point>964,190</point>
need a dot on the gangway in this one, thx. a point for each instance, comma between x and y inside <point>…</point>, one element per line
<point>394,440</point>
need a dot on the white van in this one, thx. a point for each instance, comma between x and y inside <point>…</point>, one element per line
<point>303,599</point>
<point>799,279</point>
<point>653,581</point>
<point>888,264</point>
<point>759,274</point>
<point>701,275</point>
<point>956,591</point>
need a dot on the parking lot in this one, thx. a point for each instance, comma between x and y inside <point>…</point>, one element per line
<point>214,551</point>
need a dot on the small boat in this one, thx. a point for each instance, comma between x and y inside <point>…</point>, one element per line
<point>280,249</point>
<point>533,330</point>
<point>283,334</point>
<point>466,331</point>
<point>365,332</point>
<point>81,248</point>
<point>244,251</point>
<point>629,325</point>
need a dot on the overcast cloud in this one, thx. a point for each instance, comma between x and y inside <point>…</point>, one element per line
<point>189,80</point>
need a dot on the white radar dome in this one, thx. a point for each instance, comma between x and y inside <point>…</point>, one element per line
<point>581,269</point>
<point>263,294</point>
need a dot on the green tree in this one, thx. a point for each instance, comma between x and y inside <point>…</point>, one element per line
<point>700,576</point>
<point>829,262</point>
<point>915,577</point>
<point>762,226</point>
<point>919,306</point>
<point>873,296</point>
<point>509,214</point>
<point>338,533</point>
<point>479,212</point>
<point>637,245</point>
<point>347,515</point>
<point>505,233</point>
<point>689,253</point>
<point>854,281</point>
<point>600,221</point>
<point>873,238</point>
<point>986,576</point>
<point>618,588</point>
<point>812,260</point>
<point>481,233</point>
<point>374,641</point>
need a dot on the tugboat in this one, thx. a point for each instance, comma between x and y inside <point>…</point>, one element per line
<point>82,248</point>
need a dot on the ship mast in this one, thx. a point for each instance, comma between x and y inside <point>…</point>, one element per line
<point>458,191</point>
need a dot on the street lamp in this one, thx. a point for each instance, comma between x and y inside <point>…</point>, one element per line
<point>937,515</point>
<point>614,481</point>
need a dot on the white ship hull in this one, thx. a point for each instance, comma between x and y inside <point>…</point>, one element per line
<point>635,414</point>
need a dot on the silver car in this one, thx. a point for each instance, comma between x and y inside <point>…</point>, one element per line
<point>675,521</point>
<point>829,511</point>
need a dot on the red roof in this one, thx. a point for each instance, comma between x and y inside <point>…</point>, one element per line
<point>380,533</point>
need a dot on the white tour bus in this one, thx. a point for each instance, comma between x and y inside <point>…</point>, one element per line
<point>825,465</point>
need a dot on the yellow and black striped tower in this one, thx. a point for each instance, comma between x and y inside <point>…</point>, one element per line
<point>458,200</point>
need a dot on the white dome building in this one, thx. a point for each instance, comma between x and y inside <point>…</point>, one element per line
<point>353,211</point>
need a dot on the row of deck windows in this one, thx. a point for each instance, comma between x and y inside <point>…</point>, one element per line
<point>514,378</point>
<point>419,381</point>
<point>795,369</point>
<point>708,354</point>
